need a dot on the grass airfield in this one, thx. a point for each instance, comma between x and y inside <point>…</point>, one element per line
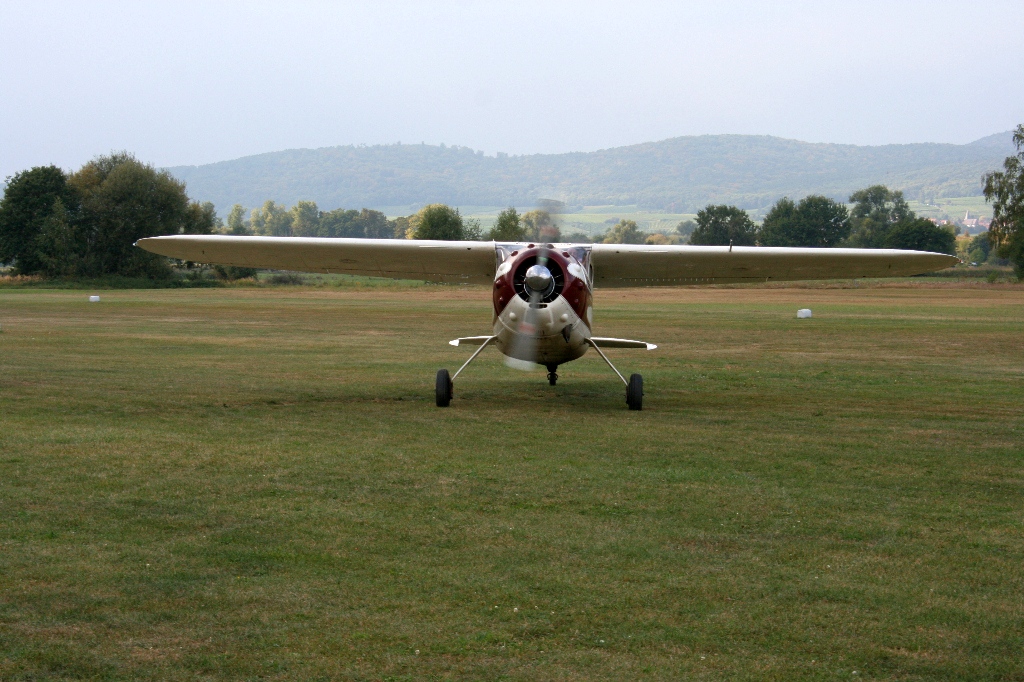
<point>256,484</point>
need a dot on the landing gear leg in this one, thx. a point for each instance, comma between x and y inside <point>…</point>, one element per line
<point>552,374</point>
<point>634,387</point>
<point>443,389</point>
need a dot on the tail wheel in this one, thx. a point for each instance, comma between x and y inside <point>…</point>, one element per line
<point>635,392</point>
<point>443,388</point>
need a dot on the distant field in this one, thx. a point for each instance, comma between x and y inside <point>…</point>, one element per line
<point>254,483</point>
<point>953,207</point>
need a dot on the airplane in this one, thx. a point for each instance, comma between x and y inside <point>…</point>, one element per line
<point>543,292</point>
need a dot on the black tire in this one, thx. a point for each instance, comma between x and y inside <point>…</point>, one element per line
<point>443,388</point>
<point>635,392</point>
<point>552,378</point>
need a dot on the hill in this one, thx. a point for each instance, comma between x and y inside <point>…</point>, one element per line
<point>679,174</point>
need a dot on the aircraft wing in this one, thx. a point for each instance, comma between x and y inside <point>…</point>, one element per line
<point>637,265</point>
<point>431,261</point>
<point>615,265</point>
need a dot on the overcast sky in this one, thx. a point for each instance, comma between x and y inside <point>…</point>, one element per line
<point>190,83</point>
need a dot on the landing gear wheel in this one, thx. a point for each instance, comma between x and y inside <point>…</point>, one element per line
<point>443,388</point>
<point>552,374</point>
<point>635,392</point>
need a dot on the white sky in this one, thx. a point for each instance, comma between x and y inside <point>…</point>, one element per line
<point>194,82</point>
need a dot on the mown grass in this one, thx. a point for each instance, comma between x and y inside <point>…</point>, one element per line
<point>255,484</point>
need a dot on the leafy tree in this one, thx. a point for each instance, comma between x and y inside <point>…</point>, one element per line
<point>578,237</point>
<point>920,234</point>
<point>657,239</point>
<point>376,225</point>
<point>508,227</point>
<point>28,204</point>
<point>876,210</point>
<point>540,226</point>
<point>237,224</point>
<point>87,224</point>
<point>624,232</point>
<point>815,221</point>
<point>1005,189</point>
<point>340,223</point>
<point>979,248</point>
<point>438,221</point>
<point>723,225</point>
<point>305,219</point>
<point>685,228</point>
<point>123,200</point>
<point>271,220</point>
<point>781,225</point>
<point>402,228</point>
<point>472,230</point>
<point>59,245</point>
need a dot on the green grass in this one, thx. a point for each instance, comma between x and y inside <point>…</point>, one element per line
<point>254,483</point>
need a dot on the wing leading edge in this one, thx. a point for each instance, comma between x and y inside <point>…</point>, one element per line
<point>431,261</point>
<point>627,265</point>
<point>615,265</point>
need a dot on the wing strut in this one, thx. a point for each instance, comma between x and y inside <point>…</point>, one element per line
<point>605,358</point>
<point>473,356</point>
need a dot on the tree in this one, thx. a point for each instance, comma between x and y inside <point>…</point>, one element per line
<point>816,221</point>
<point>685,228</point>
<point>437,221</point>
<point>920,234</point>
<point>376,225</point>
<point>1005,189</point>
<point>59,244</point>
<point>508,227</point>
<point>305,219</point>
<point>723,225</point>
<point>86,224</point>
<point>237,224</point>
<point>624,232</point>
<point>876,210</point>
<point>578,237</point>
<point>271,220</point>
<point>979,248</point>
<point>781,225</point>
<point>340,223</point>
<point>28,204</point>
<point>539,226</point>
<point>402,227</point>
<point>472,230</point>
<point>123,200</point>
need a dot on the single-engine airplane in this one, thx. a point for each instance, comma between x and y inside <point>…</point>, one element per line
<point>543,293</point>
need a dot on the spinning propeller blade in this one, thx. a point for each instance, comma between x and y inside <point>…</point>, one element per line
<point>539,283</point>
<point>524,349</point>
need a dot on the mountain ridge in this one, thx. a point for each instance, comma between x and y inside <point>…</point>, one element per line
<point>680,174</point>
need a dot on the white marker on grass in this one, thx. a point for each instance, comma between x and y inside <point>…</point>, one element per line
<point>94,299</point>
<point>803,313</point>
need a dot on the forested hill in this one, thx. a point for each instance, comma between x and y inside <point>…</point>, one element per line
<point>682,173</point>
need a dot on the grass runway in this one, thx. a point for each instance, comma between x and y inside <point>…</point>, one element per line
<point>256,484</point>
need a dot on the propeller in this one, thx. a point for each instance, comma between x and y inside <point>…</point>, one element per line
<point>537,282</point>
<point>540,283</point>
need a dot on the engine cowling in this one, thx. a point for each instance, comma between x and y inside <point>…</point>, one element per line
<point>567,275</point>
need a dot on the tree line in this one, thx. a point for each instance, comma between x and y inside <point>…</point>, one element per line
<point>880,218</point>
<point>85,224</point>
